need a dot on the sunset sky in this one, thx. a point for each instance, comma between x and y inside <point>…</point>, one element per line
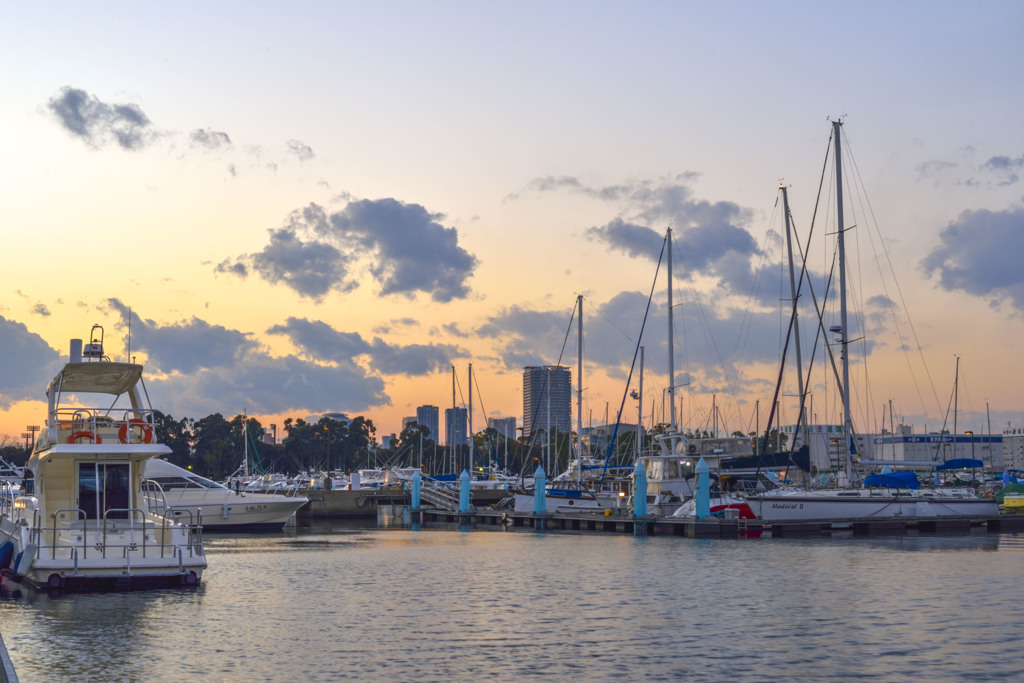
<point>322,206</point>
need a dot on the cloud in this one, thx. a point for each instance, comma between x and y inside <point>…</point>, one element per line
<point>978,254</point>
<point>195,368</point>
<point>36,364</point>
<point>97,123</point>
<point>1005,168</point>
<point>323,343</point>
<point>41,309</point>
<point>709,237</point>
<point>308,266</point>
<point>209,139</point>
<point>929,169</point>
<point>403,247</point>
<point>706,346</point>
<point>184,347</point>
<point>301,150</point>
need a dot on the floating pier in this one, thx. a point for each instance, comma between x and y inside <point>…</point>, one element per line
<point>708,528</point>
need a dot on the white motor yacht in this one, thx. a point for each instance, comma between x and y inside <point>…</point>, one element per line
<point>78,521</point>
<point>169,487</point>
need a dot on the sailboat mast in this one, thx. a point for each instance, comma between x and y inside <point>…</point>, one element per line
<point>671,351</point>
<point>472,441</point>
<point>579,391</point>
<point>844,339</point>
<point>802,422</point>
<point>640,409</point>
<point>956,400</point>
<point>245,449</point>
<point>451,427</point>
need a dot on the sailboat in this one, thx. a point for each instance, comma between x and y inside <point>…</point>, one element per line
<point>570,491</point>
<point>849,502</point>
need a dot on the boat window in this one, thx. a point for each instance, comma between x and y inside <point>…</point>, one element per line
<point>103,487</point>
<point>172,483</point>
<point>201,482</point>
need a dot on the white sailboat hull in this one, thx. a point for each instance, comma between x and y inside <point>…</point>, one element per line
<point>856,504</point>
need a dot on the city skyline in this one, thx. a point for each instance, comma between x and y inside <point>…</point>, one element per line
<point>341,208</point>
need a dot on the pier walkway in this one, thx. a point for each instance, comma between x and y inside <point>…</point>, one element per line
<point>710,528</point>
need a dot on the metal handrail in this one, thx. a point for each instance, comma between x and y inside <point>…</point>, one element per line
<point>53,545</point>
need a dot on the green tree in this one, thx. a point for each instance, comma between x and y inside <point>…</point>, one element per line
<point>177,435</point>
<point>213,447</point>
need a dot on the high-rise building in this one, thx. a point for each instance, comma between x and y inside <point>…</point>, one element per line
<point>456,421</point>
<point>506,426</point>
<point>427,417</point>
<point>540,384</point>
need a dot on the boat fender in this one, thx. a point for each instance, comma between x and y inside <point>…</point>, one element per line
<point>23,562</point>
<point>6,554</point>
<point>505,521</point>
<point>124,433</point>
<point>84,434</point>
<point>55,581</point>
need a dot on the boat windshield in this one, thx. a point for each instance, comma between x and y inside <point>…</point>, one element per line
<point>189,481</point>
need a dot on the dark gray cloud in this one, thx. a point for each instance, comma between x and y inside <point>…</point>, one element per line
<point>711,346</point>
<point>1006,169</point>
<point>208,138</point>
<point>98,123</point>
<point>183,347</point>
<point>300,150</point>
<point>403,247</point>
<point>309,266</point>
<point>709,237</point>
<point>36,364</point>
<point>195,368</point>
<point>978,254</point>
<point>322,342</point>
<point>41,309</point>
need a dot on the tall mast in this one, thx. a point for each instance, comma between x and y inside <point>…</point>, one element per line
<point>640,409</point>
<point>801,425</point>
<point>472,442</point>
<point>671,351</point>
<point>844,339</point>
<point>956,400</point>
<point>579,391</point>
<point>451,427</point>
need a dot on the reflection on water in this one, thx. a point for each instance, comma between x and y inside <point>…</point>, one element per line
<point>397,605</point>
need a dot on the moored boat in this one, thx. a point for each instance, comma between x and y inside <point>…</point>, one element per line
<point>78,521</point>
<point>187,494</point>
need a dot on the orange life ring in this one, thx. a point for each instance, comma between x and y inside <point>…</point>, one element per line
<point>84,434</point>
<point>124,436</point>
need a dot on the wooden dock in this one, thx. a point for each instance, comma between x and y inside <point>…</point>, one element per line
<point>710,528</point>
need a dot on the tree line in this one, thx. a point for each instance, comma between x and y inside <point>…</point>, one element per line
<point>215,447</point>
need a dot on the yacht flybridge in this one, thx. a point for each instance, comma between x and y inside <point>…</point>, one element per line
<point>79,520</point>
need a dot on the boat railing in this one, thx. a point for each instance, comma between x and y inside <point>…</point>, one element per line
<point>93,538</point>
<point>101,425</point>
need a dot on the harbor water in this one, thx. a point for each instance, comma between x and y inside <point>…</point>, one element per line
<point>394,604</point>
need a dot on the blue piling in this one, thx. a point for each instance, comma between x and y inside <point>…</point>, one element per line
<point>639,490</point>
<point>703,493</point>
<point>464,491</point>
<point>416,490</point>
<point>539,486</point>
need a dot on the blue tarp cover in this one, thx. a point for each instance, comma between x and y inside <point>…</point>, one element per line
<point>960,463</point>
<point>901,480</point>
